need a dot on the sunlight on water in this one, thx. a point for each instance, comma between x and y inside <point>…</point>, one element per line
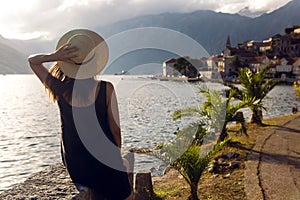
<point>29,133</point>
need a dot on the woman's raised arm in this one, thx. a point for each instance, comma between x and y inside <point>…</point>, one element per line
<point>64,53</point>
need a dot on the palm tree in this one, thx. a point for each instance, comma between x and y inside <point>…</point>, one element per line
<point>254,89</point>
<point>216,111</point>
<point>191,166</point>
<point>188,158</point>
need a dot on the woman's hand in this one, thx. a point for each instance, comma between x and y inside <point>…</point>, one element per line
<point>65,53</point>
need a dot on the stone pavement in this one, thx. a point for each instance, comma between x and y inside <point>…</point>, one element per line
<point>273,167</point>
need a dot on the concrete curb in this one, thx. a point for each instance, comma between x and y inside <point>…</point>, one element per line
<point>265,158</point>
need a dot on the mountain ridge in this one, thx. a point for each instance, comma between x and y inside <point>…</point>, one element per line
<point>201,25</point>
<point>12,61</point>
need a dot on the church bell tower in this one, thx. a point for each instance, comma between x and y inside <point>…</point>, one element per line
<point>228,43</point>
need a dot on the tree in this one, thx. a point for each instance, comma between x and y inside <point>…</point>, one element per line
<point>188,157</point>
<point>236,63</point>
<point>184,67</point>
<point>216,111</point>
<point>254,89</point>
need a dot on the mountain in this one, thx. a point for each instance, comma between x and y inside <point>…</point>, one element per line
<point>14,53</point>
<point>248,13</point>
<point>12,61</point>
<point>275,22</point>
<point>211,29</point>
<point>29,46</point>
<point>208,28</point>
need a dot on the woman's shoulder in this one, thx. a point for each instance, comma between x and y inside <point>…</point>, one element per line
<point>108,84</point>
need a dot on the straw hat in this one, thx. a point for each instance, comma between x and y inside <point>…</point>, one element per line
<point>92,54</point>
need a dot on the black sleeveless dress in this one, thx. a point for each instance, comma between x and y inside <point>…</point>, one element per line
<point>84,168</point>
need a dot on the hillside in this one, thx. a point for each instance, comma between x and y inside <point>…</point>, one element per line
<point>12,61</point>
<point>208,28</point>
<point>270,24</point>
<point>211,29</point>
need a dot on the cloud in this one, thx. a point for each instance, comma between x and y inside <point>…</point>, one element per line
<point>52,18</point>
<point>258,5</point>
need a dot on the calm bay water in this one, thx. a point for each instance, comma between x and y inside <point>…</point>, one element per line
<point>30,122</point>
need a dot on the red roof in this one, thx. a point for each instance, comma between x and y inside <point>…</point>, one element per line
<point>257,59</point>
<point>292,60</point>
<point>171,60</point>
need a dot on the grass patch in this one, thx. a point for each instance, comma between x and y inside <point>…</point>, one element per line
<point>167,192</point>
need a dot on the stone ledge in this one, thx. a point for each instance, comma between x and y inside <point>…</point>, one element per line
<point>51,183</point>
<point>54,183</point>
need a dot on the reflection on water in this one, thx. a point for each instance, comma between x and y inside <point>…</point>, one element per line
<point>30,122</point>
<point>29,135</point>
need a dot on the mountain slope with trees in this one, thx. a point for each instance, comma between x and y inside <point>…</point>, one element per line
<point>12,61</point>
<point>211,29</point>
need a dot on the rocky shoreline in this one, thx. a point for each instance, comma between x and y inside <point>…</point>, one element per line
<point>51,183</point>
<point>54,183</point>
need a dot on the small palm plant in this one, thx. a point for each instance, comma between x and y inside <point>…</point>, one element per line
<point>189,158</point>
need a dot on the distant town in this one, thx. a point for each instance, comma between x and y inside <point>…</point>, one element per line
<point>280,52</point>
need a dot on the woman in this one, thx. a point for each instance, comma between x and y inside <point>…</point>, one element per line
<point>91,137</point>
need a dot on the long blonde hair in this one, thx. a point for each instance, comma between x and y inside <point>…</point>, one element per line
<point>67,86</point>
<point>56,72</point>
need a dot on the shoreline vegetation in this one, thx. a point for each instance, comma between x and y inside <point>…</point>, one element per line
<point>228,182</point>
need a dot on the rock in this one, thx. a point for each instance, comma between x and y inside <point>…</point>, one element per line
<point>83,195</point>
<point>240,116</point>
<point>295,110</point>
<point>51,183</point>
<point>143,186</point>
<point>167,169</point>
<point>234,165</point>
<point>141,150</point>
<point>220,165</point>
<point>215,175</point>
<point>221,161</point>
<point>231,155</point>
<point>227,175</point>
<point>213,167</point>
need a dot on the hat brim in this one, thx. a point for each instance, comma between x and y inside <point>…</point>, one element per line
<point>90,68</point>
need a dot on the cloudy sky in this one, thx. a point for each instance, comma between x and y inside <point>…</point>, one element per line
<point>25,19</point>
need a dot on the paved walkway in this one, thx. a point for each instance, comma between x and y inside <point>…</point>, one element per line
<point>273,168</point>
